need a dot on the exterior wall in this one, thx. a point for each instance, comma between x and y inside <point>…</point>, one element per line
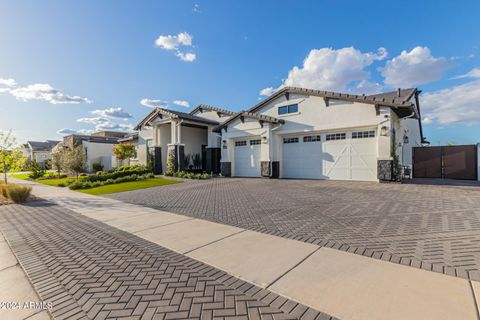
<point>193,139</point>
<point>98,152</point>
<point>211,115</point>
<point>478,162</point>
<point>164,139</point>
<point>144,134</point>
<point>41,156</point>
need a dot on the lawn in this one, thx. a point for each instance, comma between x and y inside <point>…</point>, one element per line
<point>56,182</point>
<point>22,176</point>
<point>129,186</point>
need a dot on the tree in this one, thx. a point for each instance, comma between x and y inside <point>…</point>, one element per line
<point>57,161</point>
<point>124,151</point>
<point>74,160</point>
<point>11,157</point>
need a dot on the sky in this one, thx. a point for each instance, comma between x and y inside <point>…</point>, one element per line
<point>81,66</point>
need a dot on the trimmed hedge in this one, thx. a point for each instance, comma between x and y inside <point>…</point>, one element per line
<point>98,183</point>
<point>191,175</point>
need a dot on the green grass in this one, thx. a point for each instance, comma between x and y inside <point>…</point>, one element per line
<point>22,176</point>
<point>129,186</point>
<point>56,182</point>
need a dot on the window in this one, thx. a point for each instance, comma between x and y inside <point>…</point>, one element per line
<point>363,134</point>
<point>288,109</point>
<point>253,142</point>
<point>290,140</point>
<point>312,138</point>
<point>336,136</point>
<point>240,143</point>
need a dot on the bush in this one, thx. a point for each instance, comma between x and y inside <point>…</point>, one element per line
<point>191,175</point>
<point>15,192</point>
<point>97,166</point>
<point>98,183</point>
<point>36,171</point>
<point>52,175</point>
<point>61,184</point>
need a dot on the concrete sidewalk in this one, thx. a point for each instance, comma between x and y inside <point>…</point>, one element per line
<point>338,283</point>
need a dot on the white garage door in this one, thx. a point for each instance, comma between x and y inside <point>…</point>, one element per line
<point>338,156</point>
<point>247,158</point>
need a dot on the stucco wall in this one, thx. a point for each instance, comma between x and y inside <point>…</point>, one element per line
<point>98,152</point>
<point>193,139</point>
<point>143,135</point>
<point>211,115</point>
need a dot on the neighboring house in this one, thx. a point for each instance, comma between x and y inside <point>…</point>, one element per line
<point>294,133</point>
<point>164,130</point>
<point>39,151</point>
<point>131,138</point>
<point>98,147</point>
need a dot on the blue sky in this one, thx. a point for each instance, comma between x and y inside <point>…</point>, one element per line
<point>95,61</point>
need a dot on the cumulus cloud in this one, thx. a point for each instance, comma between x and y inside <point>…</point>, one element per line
<point>39,91</point>
<point>94,120</point>
<point>110,126</point>
<point>67,131</point>
<point>474,73</point>
<point>177,43</point>
<point>414,68</point>
<point>455,105</point>
<point>153,103</point>
<point>112,113</point>
<point>182,103</point>
<point>331,69</point>
<point>196,8</point>
<point>426,121</point>
<point>267,91</point>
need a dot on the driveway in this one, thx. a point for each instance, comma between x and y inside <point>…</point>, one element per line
<point>410,224</point>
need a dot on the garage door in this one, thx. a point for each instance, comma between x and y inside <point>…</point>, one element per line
<point>338,156</point>
<point>247,158</point>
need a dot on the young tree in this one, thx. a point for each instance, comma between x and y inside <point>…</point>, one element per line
<point>124,151</point>
<point>57,161</point>
<point>11,157</point>
<point>74,160</point>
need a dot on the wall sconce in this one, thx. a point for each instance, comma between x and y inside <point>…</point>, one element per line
<point>405,139</point>
<point>264,140</point>
<point>383,131</point>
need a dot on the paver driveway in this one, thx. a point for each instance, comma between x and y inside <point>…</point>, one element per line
<point>416,223</point>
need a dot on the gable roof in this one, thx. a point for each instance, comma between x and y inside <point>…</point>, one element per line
<point>401,105</point>
<point>174,115</point>
<point>202,107</point>
<point>42,145</point>
<point>245,114</point>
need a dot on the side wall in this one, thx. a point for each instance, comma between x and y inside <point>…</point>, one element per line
<point>98,152</point>
<point>144,134</point>
<point>193,139</point>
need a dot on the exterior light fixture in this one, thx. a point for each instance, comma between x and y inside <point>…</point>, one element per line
<point>264,140</point>
<point>405,139</point>
<point>383,131</point>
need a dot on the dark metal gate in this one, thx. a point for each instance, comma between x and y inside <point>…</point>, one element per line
<point>448,162</point>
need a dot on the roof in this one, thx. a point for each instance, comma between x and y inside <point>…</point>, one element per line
<point>42,145</point>
<point>130,137</point>
<point>173,114</point>
<point>202,107</point>
<point>401,105</point>
<point>245,114</point>
<point>76,138</point>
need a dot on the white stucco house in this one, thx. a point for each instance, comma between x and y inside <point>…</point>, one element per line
<point>294,133</point>
<point>39,151</point>
<point>98,147</point>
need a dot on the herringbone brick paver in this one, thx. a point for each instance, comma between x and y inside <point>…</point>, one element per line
<point>89,270</point>
<point>433,227</point>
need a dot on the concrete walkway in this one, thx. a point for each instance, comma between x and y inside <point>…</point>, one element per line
<point>341,284</point>
<point>15,289</point>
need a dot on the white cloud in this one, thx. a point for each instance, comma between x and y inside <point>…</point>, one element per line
<point>188,57</point>
<point>110,126</point>
<point>455,105</point>
<point>39,91</point>
<point>267,91</point>
<point>414,68</point>
<point>68,131</point>
<point>333,69</point>
<point>112,113</point>
<point>426,121</point>
<point>474,73</point>
<point>153,103</point>
<point>177,43</point>
<point>94,120</point>
<point>182,103</point>
<point>196,8</point>
<point>8,82</point>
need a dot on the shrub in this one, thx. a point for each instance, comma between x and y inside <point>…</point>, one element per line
<point>16,193</point>
<point>191,175</point>
<point>82,175</point>
<point>97,166</point>
<point>36,170</point>
<point>61,184</point>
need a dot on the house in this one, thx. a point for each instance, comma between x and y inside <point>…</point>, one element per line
<point>39,151</point>
<point>163,131</point>
<point>98,147</point>
<point>294,133</point>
